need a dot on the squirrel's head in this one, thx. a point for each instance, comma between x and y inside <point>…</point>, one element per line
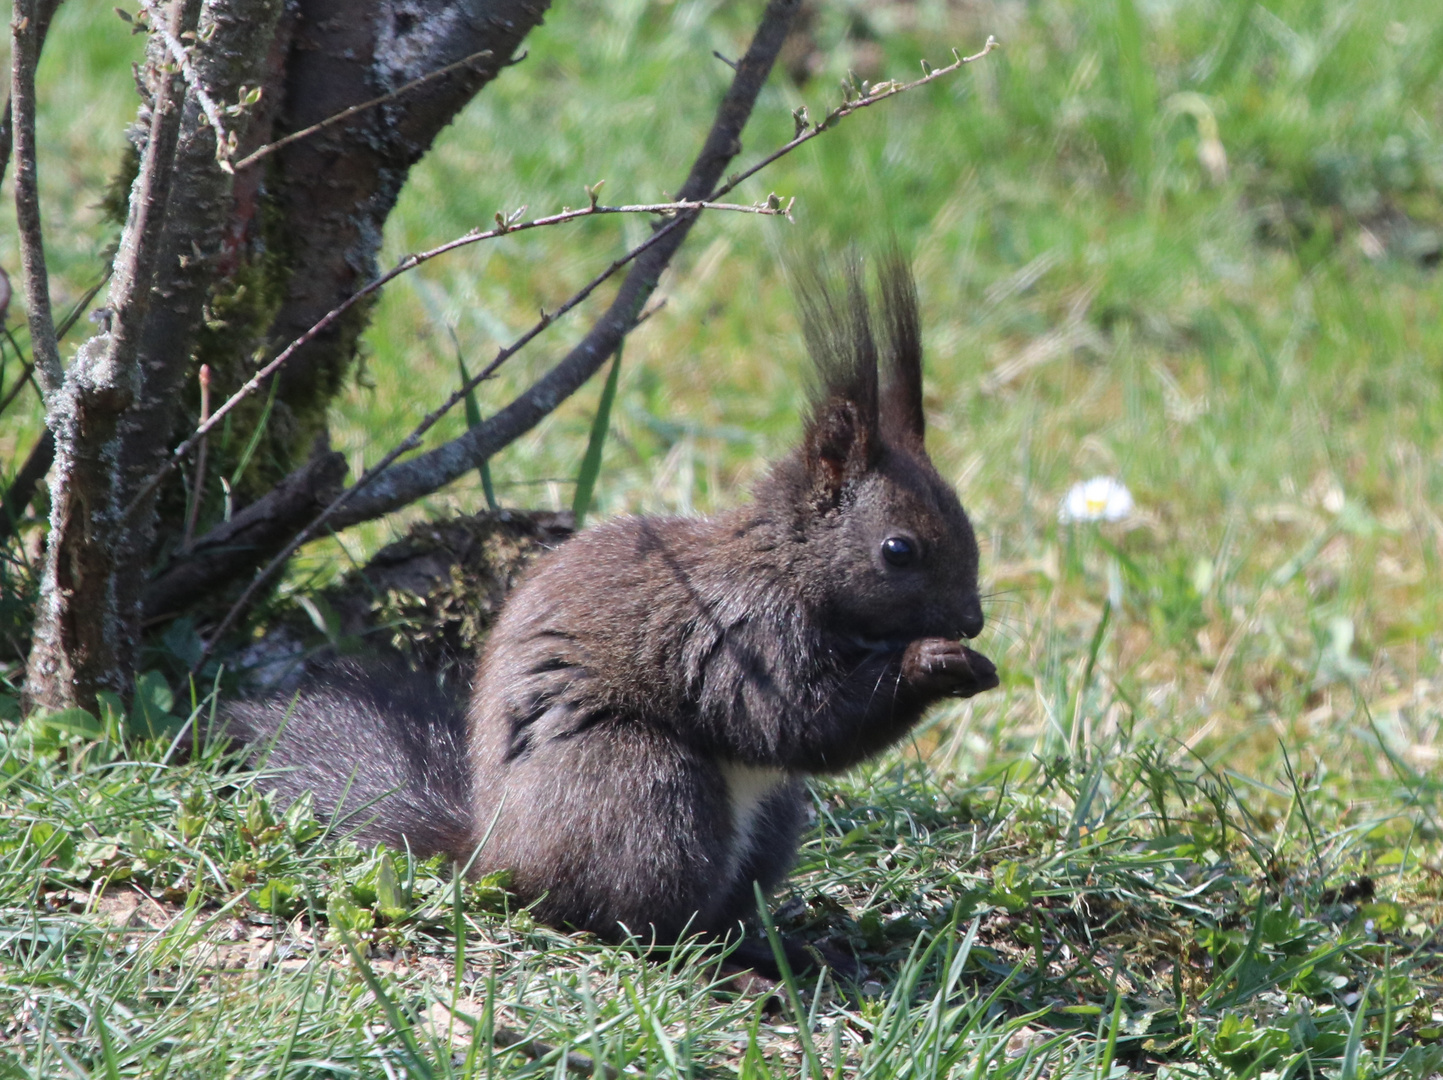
<point>883,548</point>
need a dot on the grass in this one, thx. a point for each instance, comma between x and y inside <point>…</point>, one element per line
<point>1197,829</point>
<point>1123,908</point>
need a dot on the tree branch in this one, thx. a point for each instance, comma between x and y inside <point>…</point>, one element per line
<point>869,95</point>
<point>25,32</point>
<point>225,143</point>
<point>507,224</point>
<point>230,549</point>
<point>232,40</point>
<point>22,488</point>
<point>807,132</point>
<point>327,196</point>
<point>143,236</point>
<point>45,12</point>
<point>42,454</point>
<point>722,144</point>
<point>428,472</point>
<point>266,151</point>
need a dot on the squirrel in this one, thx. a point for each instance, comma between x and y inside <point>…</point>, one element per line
<point>655,691</point>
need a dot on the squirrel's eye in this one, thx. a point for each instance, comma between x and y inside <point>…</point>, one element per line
<point>899,551</point>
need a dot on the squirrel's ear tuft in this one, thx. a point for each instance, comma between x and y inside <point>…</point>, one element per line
<point>842,440</point>
<point>901,399</point>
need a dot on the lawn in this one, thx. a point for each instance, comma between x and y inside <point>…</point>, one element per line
<point>1193,247</point>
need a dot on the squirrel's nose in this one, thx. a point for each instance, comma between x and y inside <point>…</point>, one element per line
<point>972,617</point>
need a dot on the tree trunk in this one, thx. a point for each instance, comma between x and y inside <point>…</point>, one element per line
<point>225,269</point>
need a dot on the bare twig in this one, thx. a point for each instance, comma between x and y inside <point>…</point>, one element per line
<point>427,472</point>
<point>225,143</point>
<point>506,224</point>
<point>653,255</point>
<point>44,347</point>
<point>345,114</point>
<point>411,441</point>
<point>42,454</point>
<point>771,206</point>
<point>873,94</point>
<point>45,11</point>
<point>27,375</point>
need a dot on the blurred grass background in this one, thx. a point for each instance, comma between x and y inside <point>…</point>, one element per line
<point>1192,246</point>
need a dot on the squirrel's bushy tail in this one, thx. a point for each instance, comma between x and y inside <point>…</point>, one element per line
<point>382,753</point>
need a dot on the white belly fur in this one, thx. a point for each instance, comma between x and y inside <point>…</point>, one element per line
<point>748,786</point>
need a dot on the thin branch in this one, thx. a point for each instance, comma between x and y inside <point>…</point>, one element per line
<point>44,346</point>
<point>433,469</point>
<point>197,485</point>
<point>542,397</point>
<point>722,143</point>
<point>28,372</point>
<point>42,454</point>
<point>771,206</point>
<point>411,441</point>
<point>143,237</point>
<point>345,114</point>
<point>225,144</point>
<point>22,488</point>
<point>880,92</point>
<point>27,376</point>
<point>507,224</point>
<point>46,11</point>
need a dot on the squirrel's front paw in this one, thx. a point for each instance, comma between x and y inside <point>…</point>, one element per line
<point>942,666</point>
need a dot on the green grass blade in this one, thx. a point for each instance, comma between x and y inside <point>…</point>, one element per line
<point>1138,85</point>
<point>416,1064</point>
<point>591,461</point>
<point>473,420</point>
<point>789,981</point>
<point>255,439</point>
<point>1356,1030</point>
<point>1235,36</point>
<point>107,1048</point>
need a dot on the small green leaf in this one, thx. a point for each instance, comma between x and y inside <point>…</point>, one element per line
<point>490,892</point>
<point>74,721</point>
<point>279,896</point>
<point>183,641</point>
<point>345,916</point>
<point>112,711</point>
<point>390,899</point>
<point>1383,917</point>
<point>150,716</point>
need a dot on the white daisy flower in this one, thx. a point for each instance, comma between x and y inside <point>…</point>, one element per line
<point>1103,498</point>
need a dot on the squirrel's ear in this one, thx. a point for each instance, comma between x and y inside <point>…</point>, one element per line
<point>901,398</point>
<point>840,446</point>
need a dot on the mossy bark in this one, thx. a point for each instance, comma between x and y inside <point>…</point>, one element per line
<point>307,225</point>
<point>242,266</point>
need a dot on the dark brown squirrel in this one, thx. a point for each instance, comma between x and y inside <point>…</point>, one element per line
<point>653,694</point>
